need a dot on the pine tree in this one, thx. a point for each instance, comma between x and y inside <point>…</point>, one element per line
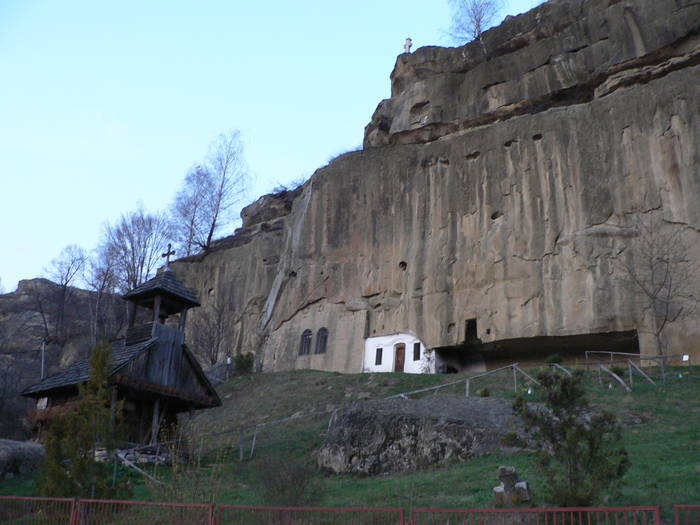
<point>70,469</point>
<point>580,452</point>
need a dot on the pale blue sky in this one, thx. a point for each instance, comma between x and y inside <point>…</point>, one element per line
<point>104,104</point>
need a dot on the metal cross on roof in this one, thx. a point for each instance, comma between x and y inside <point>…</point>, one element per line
<point>167,254</point>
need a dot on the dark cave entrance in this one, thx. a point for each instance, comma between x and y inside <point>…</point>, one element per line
<point>473,355</point>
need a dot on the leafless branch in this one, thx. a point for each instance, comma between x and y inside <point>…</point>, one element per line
<point>64,271</point>
<point>211,329</point>
<point>134,245</point>
<point>470,18</point>
<point>662,272</point>
<point>209,194</point>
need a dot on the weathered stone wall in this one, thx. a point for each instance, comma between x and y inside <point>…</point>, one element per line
<point>501,187</point>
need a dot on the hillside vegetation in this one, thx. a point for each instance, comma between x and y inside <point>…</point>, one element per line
<point>661,433</point>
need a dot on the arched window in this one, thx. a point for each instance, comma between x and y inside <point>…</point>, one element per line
<point>305,343</point>
<point>321,340</point>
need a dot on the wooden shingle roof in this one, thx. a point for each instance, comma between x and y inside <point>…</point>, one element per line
<point>165,282</point>
<point>79,372</point>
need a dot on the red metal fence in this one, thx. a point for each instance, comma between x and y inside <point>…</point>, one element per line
<point>35,511</point>
<point>250,515</point>
<point>121,512</point>
<point>539,516</point>
<point>61,511</point>
<point>687,514</point>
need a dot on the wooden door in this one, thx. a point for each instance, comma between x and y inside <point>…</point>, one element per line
<point>399,357</point>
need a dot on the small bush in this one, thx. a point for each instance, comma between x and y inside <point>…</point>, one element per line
<point>554,359</point>
<point>189,476</point>
<point>288,482</point>
<point>244,363</point>
<point>512,439</point>
<point>483,392</point>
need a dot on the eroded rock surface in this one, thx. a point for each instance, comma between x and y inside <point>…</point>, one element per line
<point>561,53</point>
<point>374,437</point>
<point>501,188</point>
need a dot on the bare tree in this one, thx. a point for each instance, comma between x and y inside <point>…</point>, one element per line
<point>663,273</point>
<point>211,328</point>
<point>470,18</point>
<point>188,211</point>
<point>134,245</point>
<point>209,194</point>
<point>64,271</point>
<point>101,279</point>
<point>229,175</point>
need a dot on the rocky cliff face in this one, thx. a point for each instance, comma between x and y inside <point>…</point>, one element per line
<point>500,183</point>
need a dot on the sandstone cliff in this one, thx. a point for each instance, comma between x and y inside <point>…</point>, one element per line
<point>499,183</point>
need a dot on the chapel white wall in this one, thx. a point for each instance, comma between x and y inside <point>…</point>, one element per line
<point>426,363</point>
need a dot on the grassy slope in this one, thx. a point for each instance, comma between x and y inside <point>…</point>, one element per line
<point>663,447</point>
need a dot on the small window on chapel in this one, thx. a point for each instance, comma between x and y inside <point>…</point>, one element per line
<point>321,340</point>
<point>378,357</point>
<point>416,351</point>
<point>305,343</point>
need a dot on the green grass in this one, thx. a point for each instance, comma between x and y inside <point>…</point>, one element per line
<point>23,485</point>
<point>662,436</point>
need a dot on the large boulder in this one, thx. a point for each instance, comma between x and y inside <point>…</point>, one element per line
<point>374,437</point>
<point>19,457</point>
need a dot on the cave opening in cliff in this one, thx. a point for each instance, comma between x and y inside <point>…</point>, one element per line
<point>474,356</point>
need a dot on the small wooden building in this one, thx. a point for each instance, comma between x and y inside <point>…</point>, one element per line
<point>152,372</point>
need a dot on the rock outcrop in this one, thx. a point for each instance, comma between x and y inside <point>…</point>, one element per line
<point>563,53</point>
<point>375,437</point>
<point>499,185</point>
<point>19,457</point>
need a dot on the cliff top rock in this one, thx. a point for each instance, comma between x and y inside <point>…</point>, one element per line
<point>562,52</point>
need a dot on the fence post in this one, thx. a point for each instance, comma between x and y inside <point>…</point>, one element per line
<point>515,380</point>
<point>212,515</point>
<point>657,515</point>
<point>629,366</point>
<point>252,446</point>
<point>75,512</point>
<point>663,369</point>
<point>466,387</point>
